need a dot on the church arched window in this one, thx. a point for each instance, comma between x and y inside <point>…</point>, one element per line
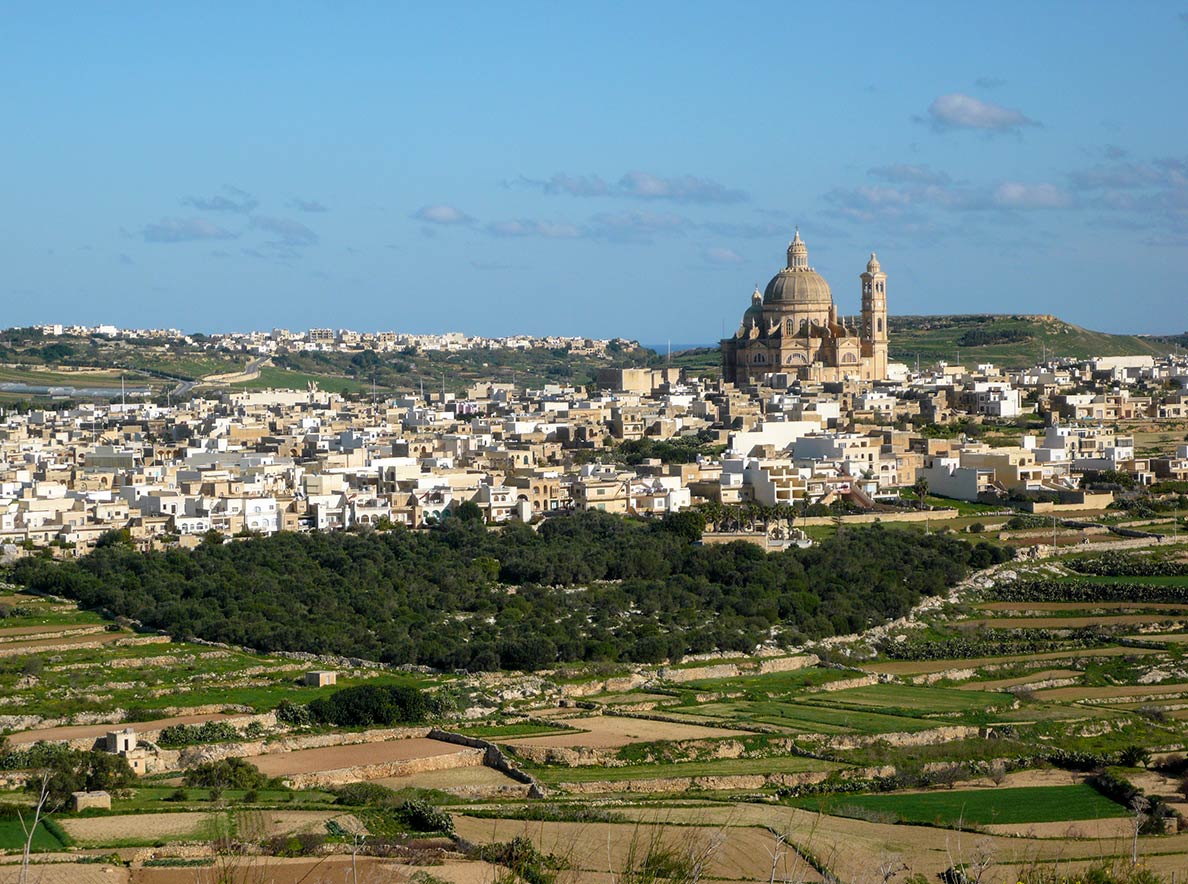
<point>880,326</point>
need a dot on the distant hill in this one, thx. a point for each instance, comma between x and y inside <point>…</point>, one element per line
<point>1007,340</point>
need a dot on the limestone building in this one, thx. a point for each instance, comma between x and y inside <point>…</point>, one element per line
<point>793,327</point>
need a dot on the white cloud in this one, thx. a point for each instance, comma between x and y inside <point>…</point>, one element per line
<point>291,233</point>
<point>720,255</point>
<point>639,185</point>
<point>442,214</point>
<point>1019,195</point>
<point>528,227</point>
<point>960,111</point>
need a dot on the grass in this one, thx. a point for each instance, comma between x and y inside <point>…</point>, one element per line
<point>12,836</point>
<point>911,699</point>
<point>1153,580</point>
<point>717,768</point>
<point>981,807</point>
<point>775,683</point>
<point>814,719</point>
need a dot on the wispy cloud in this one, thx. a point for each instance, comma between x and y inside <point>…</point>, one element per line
<point>528,227</point>
<point>888,202</point>
<point>307,205</point>
<point>903,173</point>
<point>960,111</point>
<point>231,199</point>
<point>721,255</point>
<point>1022,195</point>
<point>288,232</point>
<point>173,230</point>
<point>639,185</point>
<point>442,214</point>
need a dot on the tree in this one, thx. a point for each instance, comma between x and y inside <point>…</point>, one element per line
<point>469,511</point>
<point>921,489</point>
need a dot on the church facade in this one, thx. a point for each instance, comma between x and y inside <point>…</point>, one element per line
<point>793,327</point>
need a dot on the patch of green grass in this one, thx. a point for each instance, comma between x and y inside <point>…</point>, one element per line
<point>982,807</point>
<point>12,836</point>
<point>775,683</point>
<point>911,699</point>
<point>815,719</point>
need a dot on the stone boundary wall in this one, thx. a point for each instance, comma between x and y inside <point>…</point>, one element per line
<point>870,518</point>
<point>914,738</point>
<point>718,783</point>
<point>493,757</point>
<point>14,648</point>
<point>862,681</point>
<point>51,632</point>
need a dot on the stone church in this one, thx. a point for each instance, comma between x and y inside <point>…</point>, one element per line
<point>793,327</point>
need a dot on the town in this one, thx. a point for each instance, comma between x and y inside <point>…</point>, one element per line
<point>281,460</point>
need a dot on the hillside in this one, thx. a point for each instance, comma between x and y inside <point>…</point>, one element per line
<point>1008,340</point>
<point>1011,340</point>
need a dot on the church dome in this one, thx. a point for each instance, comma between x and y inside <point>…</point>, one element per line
<point>798,284</point>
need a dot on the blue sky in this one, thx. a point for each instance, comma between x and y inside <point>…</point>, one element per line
<point>599,169</point>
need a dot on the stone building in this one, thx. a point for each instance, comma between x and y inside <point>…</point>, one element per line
<point>793,328</point>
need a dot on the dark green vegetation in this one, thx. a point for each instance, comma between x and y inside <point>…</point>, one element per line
<point>981,807</point>
<point>590,586</point>
<point>1006,340</point>
<point>367,705</point>
<point>12,836</point>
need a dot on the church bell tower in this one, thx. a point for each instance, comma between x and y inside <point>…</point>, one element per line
<point>874,317</point>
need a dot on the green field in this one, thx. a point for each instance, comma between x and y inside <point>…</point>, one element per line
<point>12,836</point>
<point>981,807</point>
<point>911,699</point>
<point>813,719</point>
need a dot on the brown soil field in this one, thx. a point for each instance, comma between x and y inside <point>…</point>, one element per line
<point>12,649</point>
<point>853,849</point>
<point>10,632</point>
<point>339,757</point>
<point>69,873</point>
<point>79,732</point>
<point>1174,638</point>
<point>1096,829</point>
<point>284,822</point>
<point>1002,684</point>
<point>922,667</point>
<point>610,732</point>
<point>1082,606</point>
<point>1100,693</point>
<point>137,827</point>
<point>325,870</point>
<point>591,848</point>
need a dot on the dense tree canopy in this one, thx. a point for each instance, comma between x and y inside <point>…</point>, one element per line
<point>589,586</point>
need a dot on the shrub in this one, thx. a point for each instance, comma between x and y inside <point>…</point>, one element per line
<point>420,816</point>
<point>227,773</point>
<point>294,714</point>
<point>368,704</point>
